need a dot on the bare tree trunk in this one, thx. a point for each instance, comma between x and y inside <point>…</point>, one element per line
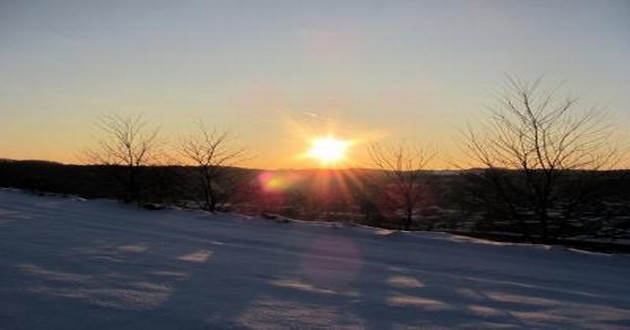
<point>536,141</point>
<point>127,143</point>
<point>402,164</point>
<point>212,152</point>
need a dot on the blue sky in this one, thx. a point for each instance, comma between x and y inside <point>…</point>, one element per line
<point>383,69</point>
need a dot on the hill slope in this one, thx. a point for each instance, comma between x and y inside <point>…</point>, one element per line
<point>98,264</point>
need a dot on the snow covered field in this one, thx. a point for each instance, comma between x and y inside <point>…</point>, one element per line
<point>69,263</point>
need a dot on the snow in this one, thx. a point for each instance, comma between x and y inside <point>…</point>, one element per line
<point>98,264</point>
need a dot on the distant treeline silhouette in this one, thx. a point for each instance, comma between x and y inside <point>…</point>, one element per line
<point>451,201</point>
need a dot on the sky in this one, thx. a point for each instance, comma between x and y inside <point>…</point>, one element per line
<point>278,73</point>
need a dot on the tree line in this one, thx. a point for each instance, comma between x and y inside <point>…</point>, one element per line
<point>542,168</point>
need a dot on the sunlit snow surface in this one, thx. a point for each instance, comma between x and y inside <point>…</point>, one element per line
<point>72,264</point>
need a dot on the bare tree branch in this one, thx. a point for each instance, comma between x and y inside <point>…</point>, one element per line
<point>211,150</point>
<point>403,163</point>
<point>542,138</point>
<point>128,142</point>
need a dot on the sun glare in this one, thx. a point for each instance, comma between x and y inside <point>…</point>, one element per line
<point>328,150</point>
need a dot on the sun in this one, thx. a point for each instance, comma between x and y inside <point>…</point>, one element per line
<point>328,150</point>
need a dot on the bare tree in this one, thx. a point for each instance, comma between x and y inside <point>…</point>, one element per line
<point>212,151</point>
<point>126,142</point>
<point>540,156</point>
<point>403,163</point>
